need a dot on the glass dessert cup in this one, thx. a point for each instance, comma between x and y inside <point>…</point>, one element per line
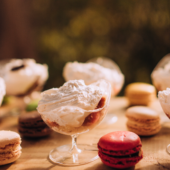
<point>161,74</point>
<point>108,63</point>
<point>116,87</point>
<point>166,109</point>
<point>24,78</point>
<point>79,154</point>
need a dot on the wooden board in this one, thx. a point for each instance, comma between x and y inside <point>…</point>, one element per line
<point>35,152</point>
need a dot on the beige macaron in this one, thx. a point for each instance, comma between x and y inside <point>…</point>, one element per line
<point>10,149</point>
<point>140,93</point>
<point>143,120</point>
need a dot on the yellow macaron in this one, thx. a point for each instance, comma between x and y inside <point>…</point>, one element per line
<point>140,93</point>
<point>143,120</point>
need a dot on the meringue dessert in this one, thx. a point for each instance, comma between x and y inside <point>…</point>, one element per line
<point>164,99</point>
<point>92,72</point>
<point>75,107</point>
<point>2,90</point>
<point>22,76</point>
<point>160,77</point>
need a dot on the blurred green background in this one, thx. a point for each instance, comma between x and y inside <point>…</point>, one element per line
<point>135,34</point>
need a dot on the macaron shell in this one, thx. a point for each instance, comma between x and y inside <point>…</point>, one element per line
<point>146,126</point>
<point>143,129</point>
<point>140,93</point>
<point>9,138</point>
<point>143,121</point>
<point>9,148</point>
<point>146,121</point>
<point>140,88</point>
<point>120,163</point>
<point>31,119</point>
<point>141,99</point>
<point>35,132</point>
<point>9,157</point>
<point>119,141</point>
<point>32,125</point>
<point>120,153</point>
<point>142,113</point>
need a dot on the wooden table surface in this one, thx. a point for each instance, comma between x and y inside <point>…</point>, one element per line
<point>35,152</point>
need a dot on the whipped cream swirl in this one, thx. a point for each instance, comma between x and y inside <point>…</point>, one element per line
<point>21,75</point>
<point>69,104</point>
<point>92,72</point>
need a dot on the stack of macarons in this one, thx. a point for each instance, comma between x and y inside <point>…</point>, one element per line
<point>143,120</point>
<point>120,149</point>
<point>140,93</point>
<point>31,125</point>
<point>10,149</point>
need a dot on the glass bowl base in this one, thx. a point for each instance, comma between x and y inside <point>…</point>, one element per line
<point>82,154</point>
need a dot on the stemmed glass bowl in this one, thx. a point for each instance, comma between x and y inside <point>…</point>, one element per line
<point>161,74</point>
<point>78,154</point>
<point>164,97</point>
<point>24,79</point>
<point>117,84</point>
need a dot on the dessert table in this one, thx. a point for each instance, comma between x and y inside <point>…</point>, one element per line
<point>35,151</point>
